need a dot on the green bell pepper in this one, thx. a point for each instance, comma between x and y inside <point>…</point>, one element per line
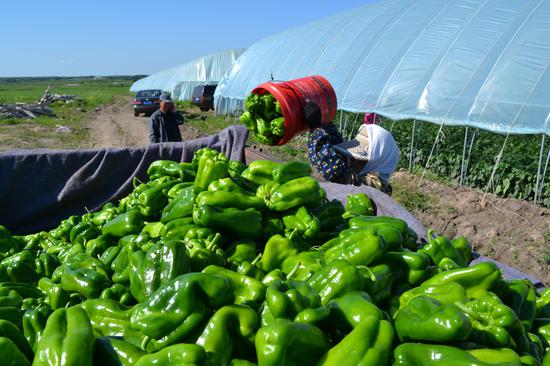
<point>286,299</point>
<point>67,340</point>
<point>178,354</point>
<point>283,173</point>
<point>330,216</point>
<point>112,351</point>
<point>369,343</point>
<point>95,247</point>
<point>464,247</point>
<point>378,282</point>
<point>129,222</point>
<point>348,311</point>
<point>290,343</point>
<point>120,266</point>
<point>426,319</point>
<point>260,171</point>
<point>303,265</point>
<point>11,355</point>
<point>448,293</point>
<point>242,223</point>
<point>543,304</point>
<point>239,252</point>
<point>12,314</point>
<point>169,168</point>
<point>178,307</point>
<point>56,297</point>
<point>495,324</point>
<point>10,331</point>
<point>359,204</point>
<point>475,279</point>
<point>211,168</point>
<point>236,168</point>
<point>277,249</point>
<point>108,318</point>
<point>107,213</point>
<point>10,297</point>
<point>82,232</point>
<point>226,199</point>
<point>34,321</point>
<point>441,247</point>
<point>304,191</point>
<point>409,236</point>
<point>417,354</point>
<point>358,248</point>
<point>248,291</point>
<point>181,206</point>
<point>119,293</point>
<point>409,267</point>
<point>335,279</point>
<point>204,251</point>
<point>152,201</point>
<point>20,267</point>
<point>249,121</point>
<point>228,185</point>
<point>84,275</point>
<point>8,245</point>
<point>163,262</point>
<point>520,295</point>
<point>302,223</point>
<point>229,333</point>
<point>277,126</point>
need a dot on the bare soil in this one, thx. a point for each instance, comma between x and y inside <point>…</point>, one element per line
<point>114,125</point>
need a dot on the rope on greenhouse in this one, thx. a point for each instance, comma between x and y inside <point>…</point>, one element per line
<point>497,162</point>
<point>538,169</point>
<point>412,146</point>
<point>544,172</point>
<point>437,138</point>
<point>392,124</point>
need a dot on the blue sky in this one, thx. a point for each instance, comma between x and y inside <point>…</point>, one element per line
<point>121,37</point>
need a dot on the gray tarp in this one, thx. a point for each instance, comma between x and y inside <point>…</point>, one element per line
<point>38,188</point>
<point>41,187</point>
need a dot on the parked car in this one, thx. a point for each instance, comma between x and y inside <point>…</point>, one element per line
<point>146,101</point>
<point>203,97</point>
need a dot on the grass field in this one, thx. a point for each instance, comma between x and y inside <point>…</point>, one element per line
<point>40,132</point>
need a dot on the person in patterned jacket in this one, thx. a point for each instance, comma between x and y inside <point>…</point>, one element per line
<point>369,159</point>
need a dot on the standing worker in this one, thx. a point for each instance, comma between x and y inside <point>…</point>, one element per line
<point>164,122</point>
<point>369,159</point>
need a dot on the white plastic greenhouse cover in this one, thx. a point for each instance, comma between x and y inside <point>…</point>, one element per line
<point>482,63</point>
<point>179,81</point>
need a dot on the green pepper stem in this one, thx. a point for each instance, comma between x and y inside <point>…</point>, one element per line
<point>294,270</point>
<point>257,259</point>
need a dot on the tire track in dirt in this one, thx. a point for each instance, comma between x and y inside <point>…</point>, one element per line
<point>114,125</point>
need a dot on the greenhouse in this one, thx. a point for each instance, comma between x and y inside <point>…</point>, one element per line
<point>480,64</point>
<point>179,81</point>
<point>467,62</point>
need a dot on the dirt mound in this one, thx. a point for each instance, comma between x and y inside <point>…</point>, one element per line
<point>511,231</point>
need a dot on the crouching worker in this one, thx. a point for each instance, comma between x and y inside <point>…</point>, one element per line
<point>370,158</point>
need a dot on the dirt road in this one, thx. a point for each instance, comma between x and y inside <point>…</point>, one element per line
<point>114,125</point>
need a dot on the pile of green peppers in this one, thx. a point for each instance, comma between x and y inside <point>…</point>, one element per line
<point>264,118</point>
<point>212,262</point>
